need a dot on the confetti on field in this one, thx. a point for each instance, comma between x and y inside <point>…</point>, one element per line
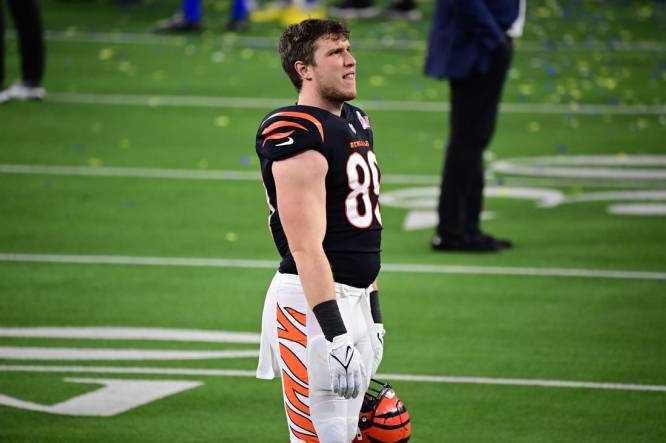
<point>94,162</point>
<point>231,236</point>
<point>377,80</point>
<point>222,121</point>
<point>106,54</point>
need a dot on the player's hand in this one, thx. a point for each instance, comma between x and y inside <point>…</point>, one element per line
<point>345,367</point>
<point>377,333</point>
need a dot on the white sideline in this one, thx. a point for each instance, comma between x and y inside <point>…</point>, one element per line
<point>221,174</point>
<point>392,377</point>
<point>387,267</point>
<point>265,104</point>
<point>387,42</point>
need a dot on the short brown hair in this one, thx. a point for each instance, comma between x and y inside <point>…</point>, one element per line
<point>298,43</point>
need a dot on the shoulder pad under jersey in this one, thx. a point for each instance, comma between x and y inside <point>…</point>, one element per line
<point>287,132</point>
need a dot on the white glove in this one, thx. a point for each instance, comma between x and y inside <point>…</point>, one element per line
<point>345,366</point>
<point>377,333</point>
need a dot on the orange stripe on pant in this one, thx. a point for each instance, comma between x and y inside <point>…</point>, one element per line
<point>289,331</point>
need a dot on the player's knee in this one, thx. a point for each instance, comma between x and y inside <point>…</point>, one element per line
<point>333,430</point>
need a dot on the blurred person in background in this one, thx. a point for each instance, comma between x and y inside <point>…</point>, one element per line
<point>30,33</point>
<point>398,9</point>
<point>287,12</point>
<point>470,43</point>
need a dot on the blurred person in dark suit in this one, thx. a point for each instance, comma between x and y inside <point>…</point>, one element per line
<point>470,43</point>
<point>30,33</point>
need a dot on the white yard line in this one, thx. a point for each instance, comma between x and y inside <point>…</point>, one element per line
<point>212,174</point>
<point>376,105</point>
<point>386,267</point>
<point>386,42</point>
<point>391,377</point>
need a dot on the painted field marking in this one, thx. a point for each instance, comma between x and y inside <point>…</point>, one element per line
<point>125,333</point>
<point>386,42</point>
<point>53,353</point>
<point>234,175</point>
<point>113,398</point>
<point>402,377</point>
<point>376,105</point>
<point>387,267</point>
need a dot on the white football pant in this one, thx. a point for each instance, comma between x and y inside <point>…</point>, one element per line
<point>293,347</point>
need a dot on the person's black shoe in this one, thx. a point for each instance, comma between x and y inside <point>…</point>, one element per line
<point>239,25</point>
<point>463,244</point>
<point>500,242</point>
<point>403,10</point>
<point>177,24</point>
<point>348,9</point>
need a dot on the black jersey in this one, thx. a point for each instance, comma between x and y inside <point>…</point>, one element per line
<point>353,219</point>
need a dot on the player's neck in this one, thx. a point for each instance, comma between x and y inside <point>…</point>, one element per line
<point>308,99</point>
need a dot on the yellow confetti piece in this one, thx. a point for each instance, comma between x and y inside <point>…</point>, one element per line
<point>95,162</point>
<point>377,80</point>
<point>526,89</point>
<point>124,143</point>
<point>217,57</point>
<point>203,164</point>
<point>247,53</point>
<point>125,67</point>
<point>622,156</point>
<point>106,54</point>
<point>222,121</point>
<point>71,31</point>
<point>514,74</point>
<point>575,93</point>
<point>534,127</point>
<point>231,236</point>
<point>389,69</point>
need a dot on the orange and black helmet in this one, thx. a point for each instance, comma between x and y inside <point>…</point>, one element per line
<point>384,417</point>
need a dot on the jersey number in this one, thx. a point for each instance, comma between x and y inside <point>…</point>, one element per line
<point>360,190</point>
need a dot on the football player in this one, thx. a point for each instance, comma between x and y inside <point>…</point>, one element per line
<point>322,330</point>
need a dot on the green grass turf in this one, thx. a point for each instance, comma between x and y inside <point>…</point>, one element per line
<point>552,328</point>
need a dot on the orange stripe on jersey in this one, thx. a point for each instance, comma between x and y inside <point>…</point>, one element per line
<point>278,135</point>
<point>305,437</point>
<point>281,124</point>
<point>298,316</point>
<point>300,421</point>
<point>288,330</point>
<point>305,116</point>
<point>294,364</point>
<point>291,387</point>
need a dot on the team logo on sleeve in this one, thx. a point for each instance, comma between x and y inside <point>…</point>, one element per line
<point>283,129</point>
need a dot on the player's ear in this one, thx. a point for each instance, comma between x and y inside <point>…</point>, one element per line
<point>303,70</point>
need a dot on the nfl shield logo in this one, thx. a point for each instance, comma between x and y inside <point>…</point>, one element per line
<point>365,121</point>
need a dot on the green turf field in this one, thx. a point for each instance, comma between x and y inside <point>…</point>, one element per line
<point>134,254</point>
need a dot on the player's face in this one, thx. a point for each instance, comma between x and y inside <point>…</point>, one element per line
<point>334,70</point>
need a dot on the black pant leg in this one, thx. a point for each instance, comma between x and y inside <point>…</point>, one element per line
<point>28,22</point>
<point>474,103</point>
<point>2,45</point>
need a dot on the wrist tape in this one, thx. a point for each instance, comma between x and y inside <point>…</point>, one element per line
<point>374,307</point>
<point>329,318</point>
